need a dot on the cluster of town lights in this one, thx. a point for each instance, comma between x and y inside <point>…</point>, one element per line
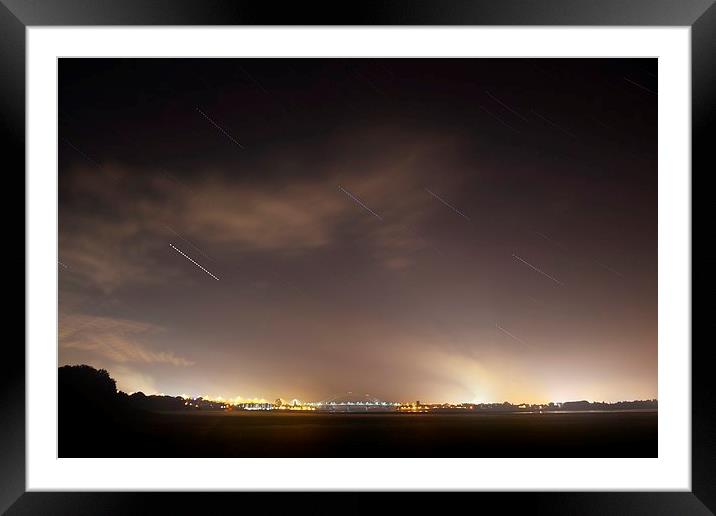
<point>239,403</point>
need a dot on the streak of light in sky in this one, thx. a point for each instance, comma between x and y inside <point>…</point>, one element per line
<point>453,208</point>
<point>538,270</point>
<point>192,261</point>
<point>359,202</point>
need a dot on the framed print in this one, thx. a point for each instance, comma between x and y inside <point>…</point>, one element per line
<point>445,248</point>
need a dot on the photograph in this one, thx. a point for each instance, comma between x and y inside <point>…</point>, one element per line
<point>357,257</point>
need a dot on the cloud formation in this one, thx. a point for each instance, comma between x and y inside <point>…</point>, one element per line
<point>119,340</point>
<point>136,213</point>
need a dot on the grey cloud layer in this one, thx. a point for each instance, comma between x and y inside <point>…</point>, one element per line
<point>135,212</point>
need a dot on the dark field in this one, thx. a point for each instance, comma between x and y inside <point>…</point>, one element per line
<point>236,434</point>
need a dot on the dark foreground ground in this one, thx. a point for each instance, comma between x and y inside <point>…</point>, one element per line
<point>216,434</point>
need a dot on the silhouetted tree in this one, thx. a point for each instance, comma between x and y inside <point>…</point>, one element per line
<point>87,404</point>
<point>137,397</point>
<point>83,387</point>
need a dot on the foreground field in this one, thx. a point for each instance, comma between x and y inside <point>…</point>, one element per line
<point>215,434</point>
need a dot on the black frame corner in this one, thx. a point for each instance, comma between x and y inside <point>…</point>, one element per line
<point>17,15</point>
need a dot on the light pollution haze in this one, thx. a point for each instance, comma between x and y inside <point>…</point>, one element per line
<point>468,230</point>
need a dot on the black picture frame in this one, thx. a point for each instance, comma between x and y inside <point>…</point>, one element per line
<point>17,15</point>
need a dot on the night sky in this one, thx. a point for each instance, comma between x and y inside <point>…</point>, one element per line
<point>473,230</point>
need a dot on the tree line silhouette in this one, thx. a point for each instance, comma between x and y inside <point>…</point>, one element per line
<point>97,420</point>
<point>82,388</point>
